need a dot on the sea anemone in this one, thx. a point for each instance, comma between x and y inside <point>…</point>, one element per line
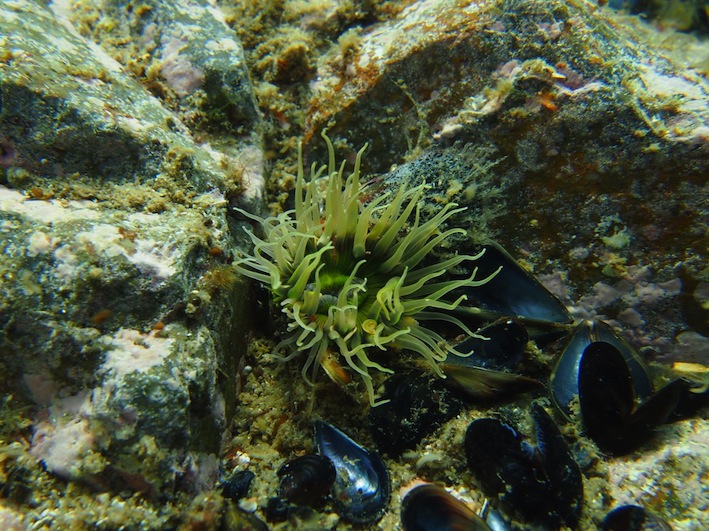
<point>347,273</point>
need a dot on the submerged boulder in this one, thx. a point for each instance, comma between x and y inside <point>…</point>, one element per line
<point>119,309</point>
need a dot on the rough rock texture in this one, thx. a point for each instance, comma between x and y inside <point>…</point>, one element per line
<point>68,108</point>
<point>669,476</point>
<point>83,286</point>
<point>119,309</point>
<point>479,70</point>
<point>577,139</point>
<point>189,47</point>
<point>601,140</point>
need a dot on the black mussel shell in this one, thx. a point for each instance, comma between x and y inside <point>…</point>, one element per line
<point>306,480</point>
<point>277,510</point>
<point>607,400</point>
<point>500,346</point>
<point>633,518</point>
<point>697,395</point>
<point>362,486</point>
<point>541,483</point>
<point>513,292</point>
<point>236,486</point>
<point>692,401</point>
<point>485,372</point>
<point>418,404</point>
<point>564,383</point>
<point>485,383</point>
<point>428,507</point>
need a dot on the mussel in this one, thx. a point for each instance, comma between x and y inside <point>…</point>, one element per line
<point>608,405</point>
<point>540,483</point>
<point>236,485</point>
<point>416,405</point>
<point>362,485</point>
<point>633,518</point>
<point>615,392</point>
<point>428,507</point>
<point>488,370</point>
<point>513,292</point>
<point>564,384</point>
<point>697,395</point>
<point>306,480</point>
<point>497,346</point>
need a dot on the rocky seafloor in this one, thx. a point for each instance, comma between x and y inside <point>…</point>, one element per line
<point>134,358</point>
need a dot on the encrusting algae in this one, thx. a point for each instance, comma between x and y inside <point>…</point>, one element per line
<point>347,273</point>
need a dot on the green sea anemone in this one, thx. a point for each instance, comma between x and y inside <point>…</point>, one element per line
<point>347,272</point>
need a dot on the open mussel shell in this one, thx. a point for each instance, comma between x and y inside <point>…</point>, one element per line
<point>306,480</point>
<point>428,507</point>
<point>487,384</point>
<point>564,383</point>
<point>607,399</point>
<point>513,292</point>
<point>540,483</point>
<point>497,346</point>
<point>633,518</point>
<point>362,485</point>
<point>487,369</point>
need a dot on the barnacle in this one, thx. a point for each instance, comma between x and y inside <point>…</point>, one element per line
<point>348,276</point>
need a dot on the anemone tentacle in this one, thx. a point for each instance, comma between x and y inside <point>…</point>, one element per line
<point>346,272</point>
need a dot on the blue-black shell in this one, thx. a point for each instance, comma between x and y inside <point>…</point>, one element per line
<point>362,487</point>
<point>541,483</point>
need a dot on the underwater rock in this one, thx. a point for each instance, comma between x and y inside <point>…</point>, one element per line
<point>101,331</point>
<point>676,465</point>
<point>69,109</point>
<point>129,430</point>
<point>418,404</point>
<point>428,507</point>
<point>115,221</point>
<point>210,59</point>
<point>362,487</point>
<point>536,63</point>
<point>541,483</point>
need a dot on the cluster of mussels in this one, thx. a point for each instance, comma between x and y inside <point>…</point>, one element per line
<point>353,479</point>
<point>534,482</point>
